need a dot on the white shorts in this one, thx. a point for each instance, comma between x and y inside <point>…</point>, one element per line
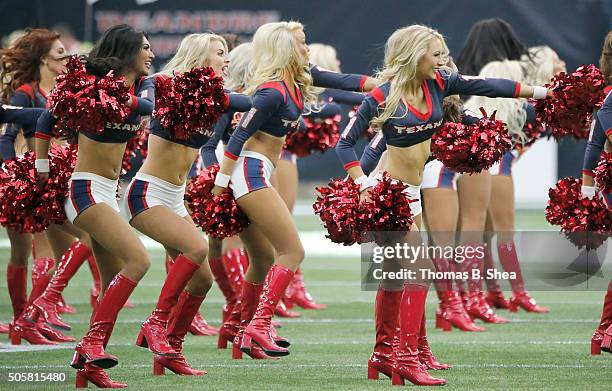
<point>414,193</point>
<point>252,172</point>
<point>438,176</point>
<point>146,191</point>
<point>86,189</point>
<point>219,151</point>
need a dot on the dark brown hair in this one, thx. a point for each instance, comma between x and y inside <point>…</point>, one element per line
<point>20,62</point>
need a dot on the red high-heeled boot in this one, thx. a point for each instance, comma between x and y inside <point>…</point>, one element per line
<point>46,305</point>
<point>22,329</point>
<point>91,348</point>
<point>199,326</point>
<point>221,277</point>
<point>51,334</point>
<point>153,331</point>
<point>248,304</point>
<point>182,315</point>
<point>97,283</point>
<point>386,310</point>
<point>298,295</point>
<point>407,365</point>
<point>426,357</point>
<point>606,321</point>
<point>282,311</point>
<point>17,283</point>
<point>496,299</point>
<point>259,329</point>
<point>526,302</point>
<point>452,313</point>
<point>235,274</point>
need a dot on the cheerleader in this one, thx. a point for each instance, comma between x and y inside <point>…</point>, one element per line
<point>600,138</point>
<point>31,65</point>
<point>281,84</point>
<point>409,99</point>
<point>488,40</point>
<point>543,64</point>
<point>91,204</point>
<point>154,205</point>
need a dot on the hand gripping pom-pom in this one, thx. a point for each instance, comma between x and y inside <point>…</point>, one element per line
<point>575,96</point>
<point>218,216</point>
<point>471,148</point>
<point>190,102</point>
<point>586,222</point>
<point>83,102</point>
<point>62,161</point>
<point>319,136</point>
<point>603,173</point>
<point>337,206</point>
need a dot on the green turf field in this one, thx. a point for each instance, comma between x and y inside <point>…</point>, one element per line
<point>330,348</point>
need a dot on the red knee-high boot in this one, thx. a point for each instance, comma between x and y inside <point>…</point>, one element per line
<point>94,374</point>
<point>386,310</point>
<point>232,266</point>
<point>182,315</point>
<point>606,320</point>
<point>16,278</point>
<point>495,297</point>
<point>407,365</point>
<point>259,331</point>
<point>520,298</point>
<point>91,348</point>
<point>97,284</point>
<point>153,331</point>
<point>248,304</point>
<point>298,295</point>
<point>221,277</point>
<point>426,357</point>
<point>477,305</point>
<point>46,305</point>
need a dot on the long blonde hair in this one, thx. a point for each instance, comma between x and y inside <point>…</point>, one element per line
<point>403,50</point>
<point>510,111</point>
<point>192,52</point>
<point>240,58</point>
<point>275,57</point>
<point>540,65</point>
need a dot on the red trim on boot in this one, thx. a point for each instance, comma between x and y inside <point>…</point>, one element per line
<point>153,331</point>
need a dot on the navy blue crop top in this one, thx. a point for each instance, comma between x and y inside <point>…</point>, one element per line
<point>602,129</point>
<point>277,108</point>
<point>143,97</point>
<point>233,102</point>
<point>412,127</point>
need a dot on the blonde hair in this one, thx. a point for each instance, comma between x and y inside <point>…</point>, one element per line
<point>192,52</point>
<point>403,50</point>
<point>276,57</point>
<point>540,65</point>
<point>510,111</point>
<point>240,58</point>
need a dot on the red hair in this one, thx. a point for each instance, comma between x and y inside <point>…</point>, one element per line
<point>20,63</point>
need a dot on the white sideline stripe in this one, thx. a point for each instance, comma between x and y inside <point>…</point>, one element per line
<point>314,243</point>
<point>252,364</point>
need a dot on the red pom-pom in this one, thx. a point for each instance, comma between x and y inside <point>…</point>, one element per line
<point>575,96</point>
<point>218,216</point>
<point>337,205</point>
<point>19,196</point>
<point>603,173</point>
<point>586,222</point>
<point>319,136</point>
<point>189,103</point>
<point>61,164</point>
<point>533,132</point>
<point>388,207</point>
<point>471,148</point>
<point>134,146</point>
<point>84,102</point>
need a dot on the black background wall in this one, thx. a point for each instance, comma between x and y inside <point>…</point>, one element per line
<point>358,30</point>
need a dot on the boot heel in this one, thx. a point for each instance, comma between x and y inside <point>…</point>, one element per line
<point>81,381</point>
<point>372,373</point>
<point>246,343</point>
<point>221,342</point>
<point>595,349</point>
<point>15,338</point>
<point>78,361</point>
<point>446,325</point>
<point>158,369</point>
<point>236,352</point>
<point>606,342</point>
<point>439,321</point>
<point>141,341</point>
<point>397,379</point>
